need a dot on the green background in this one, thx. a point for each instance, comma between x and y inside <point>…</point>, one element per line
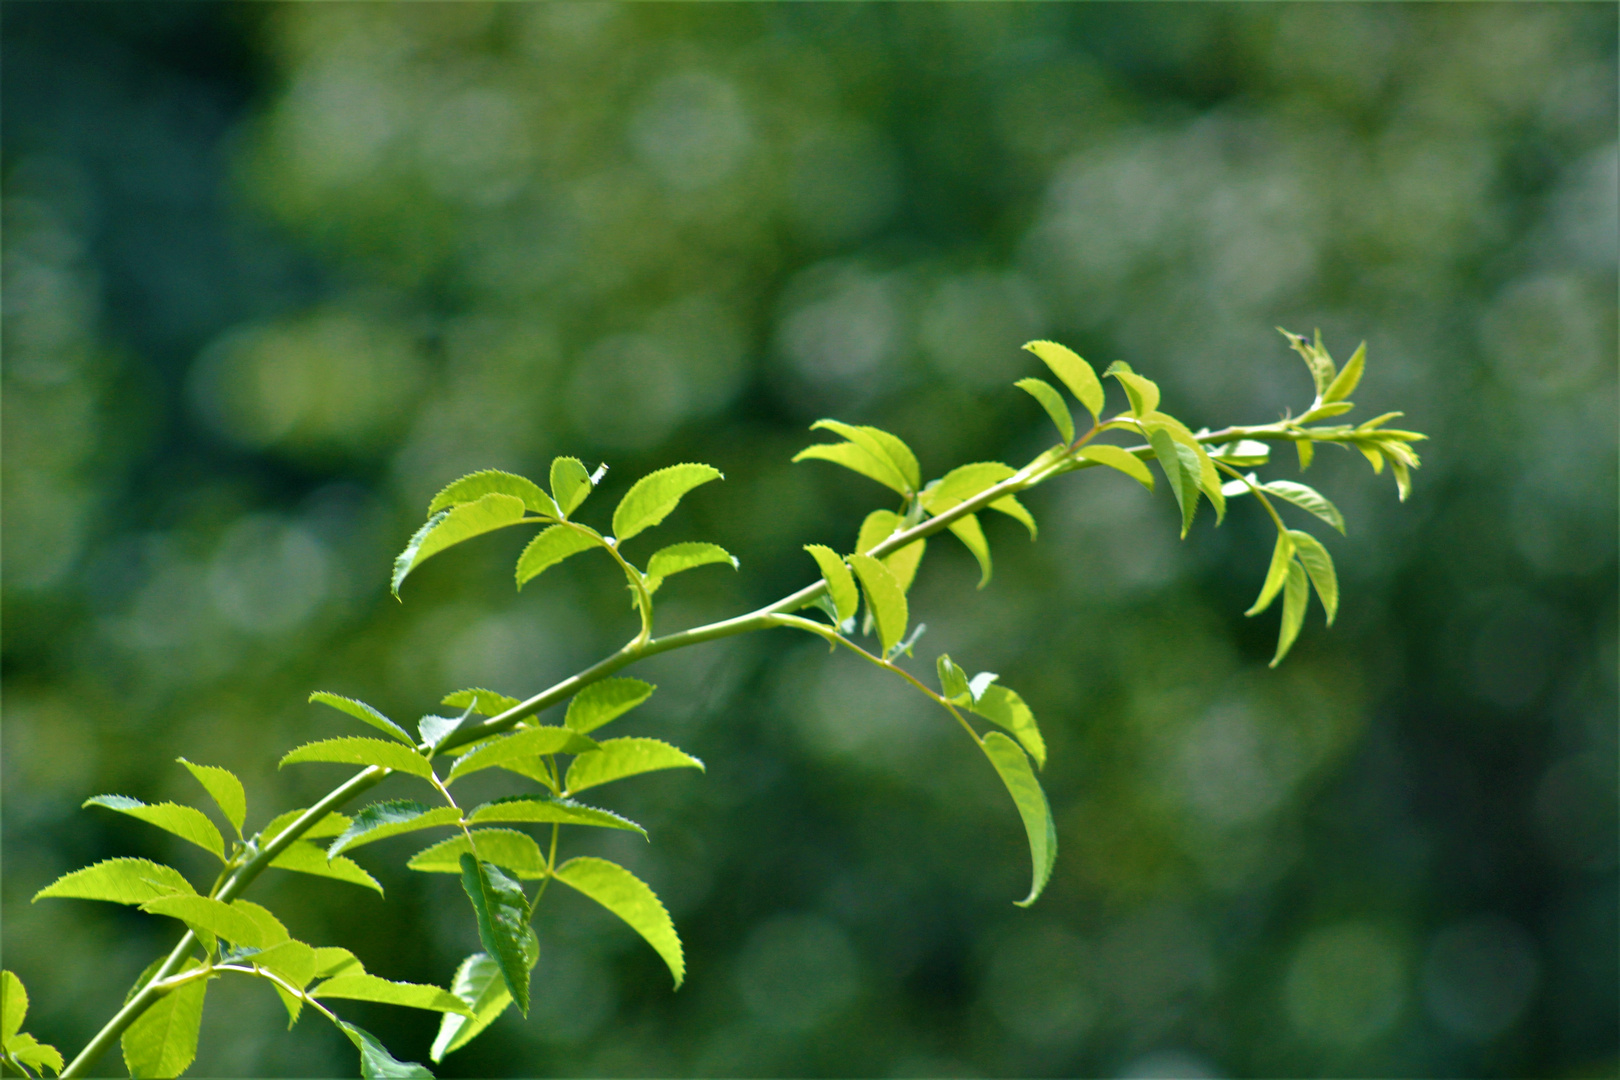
<point>274,274</point>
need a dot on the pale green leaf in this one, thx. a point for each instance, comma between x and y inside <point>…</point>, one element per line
<point>29,1051</point>
<point>856,459</point>
<point>1052,402</point>
<point>1002,706</point>
<point>1182,485</point>
<point>967,530</point>
<point>953,680</point>
<point>679,557</point>
<point>628,897</point>
<point>1075,373</point>
<point>479,985</point>
<point>394,817</point>
<point>619,758</point>
<point>1296,594</point>
<point>840,582</point>
<point>1327,411</point>
<point>235,922</point>
<point>507,848</point>
<point>292,960</point>
<point>162,1041</point>
<point>360,987</point>
<point>1245,453</point>
<point>1119,458</point>
<point>1277,573</point>
<point>361,711</point>
<point>502,909</point>
<point>13,1005</point>
<point>354,750</point>
<point>186,822</point>
<point>119,881</point>
<point>882,446</point>
<point>1403,477</point>
<point>652,498</point>
<point>570,483</point>
<point>474,486</point>
<point>224,788</point>
<point>1307,452</point>
<point>269,926</point>
<point>525,743</point>
<point>1306,498</point>
<point>481,701</point>
<point>1316,359</point>
<point>376,1063</point>
<point>304,857</point>
<point>450,527</point>
<point>332,960</point>
<point>1319,564</point>
<point>605,701</point>
<point>1013,768</point>
<point>1143,392</point>
<point>558,811</point>
<point>885,598</point>
<point>964,482</point>
<point>877,527</point>
<point>551,547</point>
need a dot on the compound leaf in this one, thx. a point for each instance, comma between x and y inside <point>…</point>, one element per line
<point>509,848</point>
<point>449,527</point>
<point>479,985</point>
<point>652,498</point>
<point>1116,457</point>
<point>361,711</point>
<point>551,547</point>
<point>304,857</point>
<point>1076,374</point>
<point>224,788</point>
<point>1319,564</point>
<point>474,486</point>
<point>354,750</point>
<point>523,744</point>
<point>502,909</point>
<point>163,1040</point>
<point>559,811</point>
<point>376,1063</point>
<point>1013,767</point>
<point>1306,498</point>
<point>119,881</point>
<point>394,817</point>
<point>628,897</point>
<point>1296,594</point>
<point>679,557</point>
<point>570,483</point>
<point>840,582</point>
<point>1052,402</point>
<point>885,598</point>
<point>616,759</point>
<point>186,822</point>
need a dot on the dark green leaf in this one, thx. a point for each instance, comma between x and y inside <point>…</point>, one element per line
<point>483,702</point>
<point>354,750</point>
<point>450,527</point>
<point>628,897</point>
<point>560,811</point>
<point>1319,564</point>
<point>1296,594</point>
<point>376,1063</point>
<point>119,881</point>
<point>224,788</point>
<point>478,983</point>
<point>1118,458</point>
<point>551,547</point>
<point>570,483</point>
<point>362,987</point>
<point>678,557</point>
<point>394,817</point>
<point>525,743</point>
<point>1076,374</point>
<point>1052,402</point>
<point>514,850</point>
<point>619,758</point>
<point>474,486</point>
<point>1002,706</point>
<point>604,701</point>
<point>361,711</point>
<point>304,857</point>
<point>502,908</point>
<point>186,822</point>
<point>163,1040</point>
<point>1013,767</point>
<point>885,598</point>
<point>652,498</point>
<point>1281,557</point>
<point>840,582</point>
<point>967,530</point>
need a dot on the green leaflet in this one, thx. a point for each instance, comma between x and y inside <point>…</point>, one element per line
<point>551,547</point>
<point>652,498</point>
<point>1013,767</point>
<point>1296,594</point>
<point>331,960</point>
<point>840,582</point>
<point>376,1063</point>
<point>186,822</point>
<point>1181,484</point>
<point>361,711</point>
<point>163,1040</point>
<point>1052,402</point>
<point>1306,498</point>
<point>560,811</point>
<point>628,897</point>
<point>876,527</point>
<point>1144,393</point>
<point>885,599</point>
<point>856,459</point>
<point>884,448</point>
<point>354,750</point>
<point>967,530</point>
<point>509,848</point>
<point>570,483</point>
<point>292,960</point>
<point>1316,359</point>
<point>1076,374</point>
<point>29,1051</point>
<point>224,788</point>
<point>13,1005</point>
<point>362,987</point>
<point>1244,453</point>
<point>330,825</point>
<point>678,557</point>
<point>394,817</point>
<point>1276,574</point>
<point>435,729</point>
<point>616,759</point>
<point>1307,452</point>
<point>474,486</point>
<point>449,527</point>
<point>1319,564</point>
<point>236,922</point>
<point>953,680</point>
<point>604,701</point>
<point>478,983</point>
<point>1002,706</point>
<point>1195,459</point>
<point>525,743</point>
<point>1118,458</point>
<point>966,481</point>
<point>483,702</point>
<point>1403,478</point>
<point>502,909</point>
<point>119,881</point>
<point>304,857</point>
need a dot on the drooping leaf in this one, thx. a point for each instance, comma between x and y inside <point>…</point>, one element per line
<point>332,824</point>
<point>119,881</point>
<point>1013,768</point>
<point>394,817</point>
<point>162,1041</point>
<point>361,711</point>
<point>1296,594</point>
<point>354,750</point>
<point>551,547</point>
<point>570,483</point>
<point>376,1063</point>
<point>1143,392</point>
<point>679,557</point>
<point>605,701</point>
<point>1306,498</point>
<point>628,897</point>
<point>508,848</point>
<point>1307,452</point>
<point>1196,461</point>
<point>361,987</point>
<point>1076,374</point>
<point>652,498</point>
<point>952,679</point>
<point>481,701</point>
<point>1118,458</point>
<point>1319,564</point>
<point>239,925</point>
<point>186,822</point>
<point>856,459</point>
<point>502,909</point>
<point>840,582</point>
<point>224,788</point>
<point>450,527</point>
<point>525,743</point>
<point>616,759</point>
<point>883,446</point>
<point>479,985</point>
<point>885,598</point>
<point>1181,484</point>
<point>29,1051</point>
<point>1002,706</point>
<point>1052,402</point>
<point>1276,573</point>
<point>304,857</point>
<point>474,486</point>
<point>560,811</point>
<point>1403,477</point>
<point>967,530</point>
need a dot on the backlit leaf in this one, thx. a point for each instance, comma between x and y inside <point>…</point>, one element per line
<point>376,1063</point>
<point>1245,453</point>
<point>502,908</point>
<point>1143,392</point>
<point>882,446</point>
<point>570,483</point>
<point>449,527</point>
<point>967,530</point>
<point>876,527</point>
<point>1052,402</point>
<point>1002,706</point>
<point>1013,768</point>
<point>525,743</point>
<point>305,857</point>
<point>1118,458</point>
<point>679,557</point>
<point>1181,484</point>
<point>119,881</point>
<point>483,702</point>
<point>29,1051</point>
<point>474,486</point>
<point>163,1040</point>
<point>479,985</point>
<point>856,459</point>
<point>551,547</point>
<point>1281,557</point>
<point>394,817</point>
<point>509,848</point>
<point>292,960</point>
<point>225,789</point>
<point>652,498</point>
<point>604,701</point>
<point>331,960</point>
<point>239,925</point>
<point>1075,373</point>
<point>885,598</point>
<point>1319,564</point>
<point>1307,453</point>
<point>1296,593</point>
<point>361,711</point>
<point>354,750</point>
<point>436,729</point>
<point>1316,359</point>
<point>13,1005</point>
<point>1306,498</point>
<point>964,482</point>
<point>361,987</point>
<point>186,822</point>
<point>559,811</point>
<point>619,758</point>
<point>628,897</point>
<point>840,582</point>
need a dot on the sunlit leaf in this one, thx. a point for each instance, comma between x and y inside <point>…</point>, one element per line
<point>885,598</point>
<point>1243,454</point>
<point>119,881</point>
<point>967,530</point>
<point>479,985</point>
<point>508,848</point>
<point>163,1040</point>
<point>1319,564</point>
<point>652,498</point>
<point>679,557</point>
<point>186,822</point>
<point>435,729</point>
<point>1118,458</point>
<point>1307,453</point>
<point>361,987</point>
<point>876,527</point>
<point>570,483</point>
<point>964,482</point>
<point>1281,556</point>
<point>354,750</point>
<point>1181,484</point>
<point>856,459</point>
<point>1013,768</point>
<point>292,960</point>
<point>235,922</point>
<point>1143,392</point>
<point>376,1063</point>
<point>953,680</point>
<point>13,1005</point>
<point>628,897</point>
<point>305,857</point>
<point>332,960</point>
<point>361,711</point>
<point>224,788</point>
<point>449,527</point>
<point>1075,373</point>
<point>604,701</point>
<point>1306,498</point>
<point>1296,594</point>
<point>559,811</point>
<point>551,547</point>
<point>474,486</point>
<point>1002,706</point>
<point>619,758</point>
<point>1052,402</point>
<point>394,817</point>
<point>1316,359</point>
<point>29,1051</point>
<point>481,701</point>
<point>502,908</point>
<point>882,446</point>
<point>525,743</point>
<point>840,582</point>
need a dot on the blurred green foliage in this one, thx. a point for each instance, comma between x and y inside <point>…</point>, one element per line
<point>273,274</point>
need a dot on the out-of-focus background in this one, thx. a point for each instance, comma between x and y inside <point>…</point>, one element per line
<point>273,274</point>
